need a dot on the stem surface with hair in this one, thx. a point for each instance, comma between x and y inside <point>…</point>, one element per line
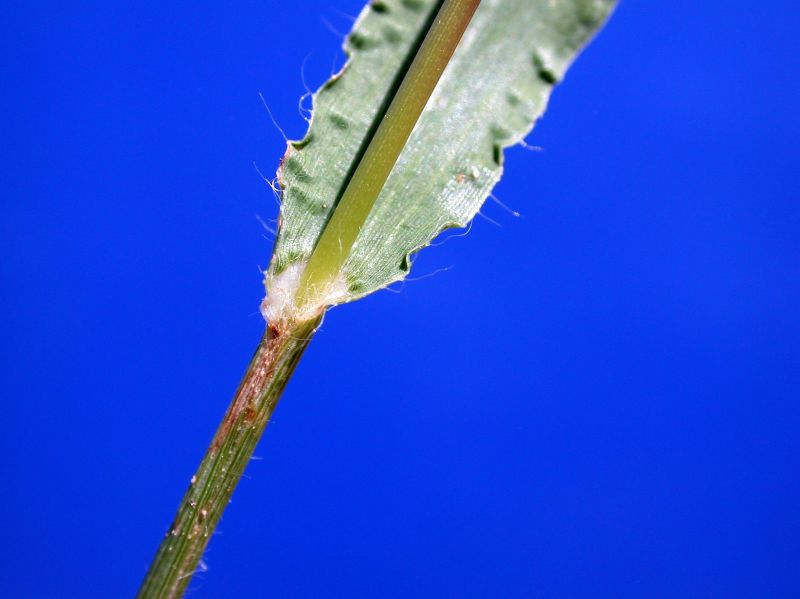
<point>230,451</point>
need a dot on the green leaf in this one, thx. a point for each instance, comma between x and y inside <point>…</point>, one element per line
<point>494,87</point>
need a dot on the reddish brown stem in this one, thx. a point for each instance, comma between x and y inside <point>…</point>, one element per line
<point>222,466</point>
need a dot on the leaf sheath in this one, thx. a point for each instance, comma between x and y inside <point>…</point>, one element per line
<point>230,451</point>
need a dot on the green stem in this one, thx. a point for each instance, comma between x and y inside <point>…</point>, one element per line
<point>230,451</point>
<point>339,235</point>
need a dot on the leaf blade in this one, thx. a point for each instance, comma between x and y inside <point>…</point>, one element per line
<point>396,125</point>
<point>492,91</point>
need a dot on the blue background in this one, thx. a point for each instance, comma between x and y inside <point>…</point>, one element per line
<point>598,399</point>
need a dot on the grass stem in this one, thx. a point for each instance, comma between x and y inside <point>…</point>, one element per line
<point>222,466</point>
